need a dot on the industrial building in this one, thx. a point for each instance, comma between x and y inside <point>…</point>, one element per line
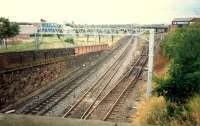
<point>181,22</point>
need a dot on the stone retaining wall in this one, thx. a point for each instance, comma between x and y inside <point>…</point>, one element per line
<point>18,83</point>
<point>87,49</point>
<point>19,60</point>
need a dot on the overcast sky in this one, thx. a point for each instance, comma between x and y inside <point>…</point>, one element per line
<point>99,11</point>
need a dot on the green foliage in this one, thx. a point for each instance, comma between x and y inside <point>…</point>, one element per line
<point>69,40</point>
<point>171,112</point>
<point>7,29</point>
<point>182,47</point>
<point>154,111</point>
<point>4,28</point>
<point>13,29</point>
<point>182,44</point>
<point>194,109</point>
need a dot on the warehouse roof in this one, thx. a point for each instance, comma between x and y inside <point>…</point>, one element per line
<point>186,19</point>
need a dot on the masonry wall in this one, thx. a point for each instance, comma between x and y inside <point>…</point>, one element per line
<point>18,83</point>
<point>20,60</point>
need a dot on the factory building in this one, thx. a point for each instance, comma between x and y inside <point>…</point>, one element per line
<point>181,22</point>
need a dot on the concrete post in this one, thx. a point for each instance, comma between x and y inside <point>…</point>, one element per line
<point>87,38</point>
<point>150,63</point>
<point>37,44</point>
<point>112,38</point>
<point>99,39</point>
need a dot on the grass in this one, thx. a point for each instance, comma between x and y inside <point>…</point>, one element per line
<point>150,112</point>
<point>194,106</point>
<point>193,113</point>
<point>154,112</point>
<point>19,47</point>
<point>54,42</point>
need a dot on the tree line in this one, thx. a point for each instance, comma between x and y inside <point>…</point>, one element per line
<point>7,30</point>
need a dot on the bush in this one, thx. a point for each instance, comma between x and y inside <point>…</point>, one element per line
<point>183,81</point>
<point>69,40</point>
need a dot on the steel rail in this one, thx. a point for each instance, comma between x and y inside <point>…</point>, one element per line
<point>95,84</point>
<point>70,81</point>
<point>117,84</point>
<point>86,114</point>
<point>122,93</point>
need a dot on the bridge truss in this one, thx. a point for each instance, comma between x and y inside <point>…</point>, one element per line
<point>52,28</point>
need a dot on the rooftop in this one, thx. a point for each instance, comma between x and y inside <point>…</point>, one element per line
<point>189,19</point>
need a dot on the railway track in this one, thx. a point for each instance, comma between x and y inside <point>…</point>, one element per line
<point>114,112</point>
<point>105,106</point>
<point>97,91</point>
<point>43,106</point>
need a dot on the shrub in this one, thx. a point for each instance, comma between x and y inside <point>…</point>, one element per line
<point>183,80</point>
<point>69,40</point>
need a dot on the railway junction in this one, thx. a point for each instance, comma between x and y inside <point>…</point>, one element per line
<point>97,82</point>
<point>99,63</point>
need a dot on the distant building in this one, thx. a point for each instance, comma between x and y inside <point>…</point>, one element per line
<point>158,27</point>
<point>181,22</point>
<point>25,31</point>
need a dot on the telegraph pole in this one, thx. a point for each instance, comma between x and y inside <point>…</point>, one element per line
<point>150,63</point>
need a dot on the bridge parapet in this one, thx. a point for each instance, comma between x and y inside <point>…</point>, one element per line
<point>28,120</point>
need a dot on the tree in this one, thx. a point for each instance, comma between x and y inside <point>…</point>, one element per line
<point>14,30</point>
<point>4,29</point>
<point>7,30</point>
<point>182,47</point>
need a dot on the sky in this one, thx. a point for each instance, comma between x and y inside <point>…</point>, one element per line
<point>99,11</point>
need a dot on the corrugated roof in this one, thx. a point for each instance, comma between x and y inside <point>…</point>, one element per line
<point>184,19</point>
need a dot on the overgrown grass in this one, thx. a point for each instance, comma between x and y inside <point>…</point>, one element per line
<point>19,47</point>
<point>150,112</point>
<point>194,107</point>
<point>156,111</point>
<point>54,42</point>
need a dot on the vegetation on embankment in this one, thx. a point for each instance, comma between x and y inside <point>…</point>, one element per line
<point>176,99</point>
